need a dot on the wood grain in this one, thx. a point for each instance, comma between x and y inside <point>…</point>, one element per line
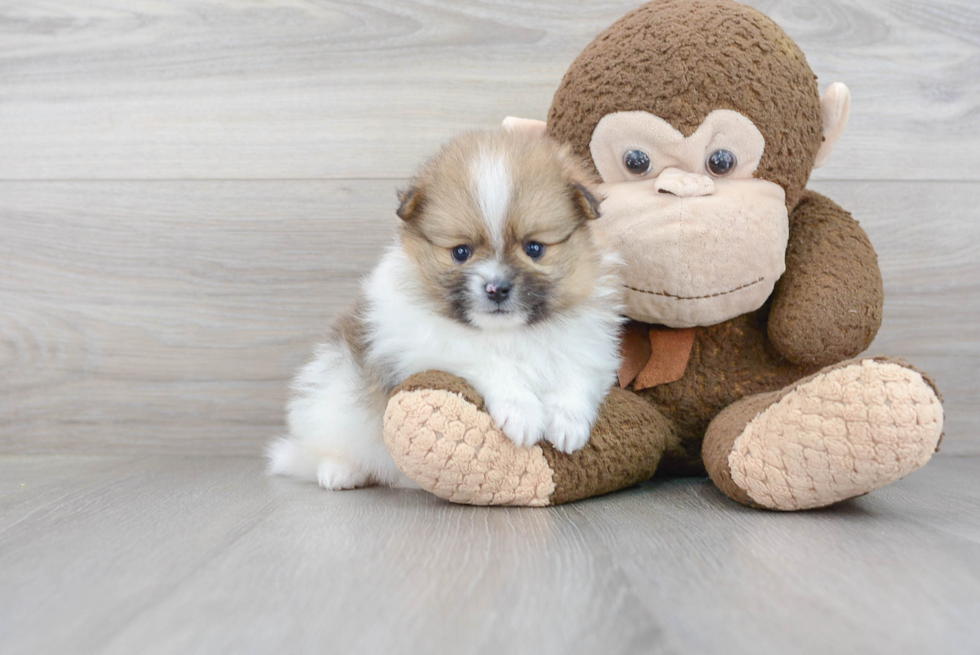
<point>141,89</point>
<point>172,311</point>
<point>204,555</point>
<point>190,190</point>
<point>168,316</point>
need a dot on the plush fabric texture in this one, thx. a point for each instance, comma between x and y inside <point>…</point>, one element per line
<point>841,433</point>
<point>827,306</point>
<point>737,358</point>
<point>682,59</point>
<point>440,435</point>
<point>696,260</point>
<point>625,447</point>
<point>835,106</point>
<point>442,381</point>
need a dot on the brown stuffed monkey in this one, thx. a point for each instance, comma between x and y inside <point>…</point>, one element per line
<point>748,294</point>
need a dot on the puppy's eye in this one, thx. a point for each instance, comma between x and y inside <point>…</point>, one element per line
<point>461,254</point>
<point>637,162</point>
<point>721,162</point>
<point>534,250</point>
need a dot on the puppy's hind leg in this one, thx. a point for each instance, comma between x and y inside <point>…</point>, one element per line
<point>335,474</point>
<point>333,433</point>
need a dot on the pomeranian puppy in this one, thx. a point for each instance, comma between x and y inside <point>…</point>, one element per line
<point>494,277</point>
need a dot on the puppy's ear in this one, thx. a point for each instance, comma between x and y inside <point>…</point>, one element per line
<point>411,203</point>
<point>585,200</point>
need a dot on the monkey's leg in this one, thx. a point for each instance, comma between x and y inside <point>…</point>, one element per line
<point>441,436</point>
<point>849,429</point>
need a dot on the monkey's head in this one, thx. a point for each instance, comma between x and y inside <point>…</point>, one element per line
<point>704,121</point>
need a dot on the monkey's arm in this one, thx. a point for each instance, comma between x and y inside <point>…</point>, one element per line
<point>827,306</point>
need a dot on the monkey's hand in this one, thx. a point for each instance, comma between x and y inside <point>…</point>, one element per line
<point>827,306</point>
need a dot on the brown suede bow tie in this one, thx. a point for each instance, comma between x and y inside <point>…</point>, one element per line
<point>654,354</point>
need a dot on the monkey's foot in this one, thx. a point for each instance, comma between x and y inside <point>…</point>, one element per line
<point>849,429</point>
<point>441,436</point>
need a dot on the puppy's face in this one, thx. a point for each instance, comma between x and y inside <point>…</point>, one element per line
<point>496,225</point>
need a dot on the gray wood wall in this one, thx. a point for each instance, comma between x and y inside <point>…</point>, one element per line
<point>189,191</point>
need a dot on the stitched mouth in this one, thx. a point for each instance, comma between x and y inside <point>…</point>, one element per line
<point>710,295</point>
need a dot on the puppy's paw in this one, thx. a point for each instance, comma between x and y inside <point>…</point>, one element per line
<point>336,475</point>
<point>521,418</point>
<point>568,428</point>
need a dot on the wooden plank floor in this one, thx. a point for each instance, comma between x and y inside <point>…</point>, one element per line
<point>156,554</point>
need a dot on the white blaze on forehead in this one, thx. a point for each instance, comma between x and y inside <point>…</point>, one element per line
<point>492,186</point>
<point>490,270</point>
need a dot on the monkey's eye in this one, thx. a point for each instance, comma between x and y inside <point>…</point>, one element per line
<point>721,162</point>
<point>461,254</point>
<point>637,162</point>
<point>534,250</point>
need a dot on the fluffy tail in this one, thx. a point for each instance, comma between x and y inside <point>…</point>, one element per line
<point>287,457</point>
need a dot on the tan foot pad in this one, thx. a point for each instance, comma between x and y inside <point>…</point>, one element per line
<point>838,435</point>
<point>452,449</point>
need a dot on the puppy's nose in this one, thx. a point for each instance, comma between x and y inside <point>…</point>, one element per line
<point>498,290</point>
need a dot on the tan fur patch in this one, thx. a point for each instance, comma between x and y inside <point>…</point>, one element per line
<point>349,328</point>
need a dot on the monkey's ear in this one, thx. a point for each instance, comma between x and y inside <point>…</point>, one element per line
<point>411,202</point>
<point>527,126</point>
<point>835,107</point>
<point>585,200</point>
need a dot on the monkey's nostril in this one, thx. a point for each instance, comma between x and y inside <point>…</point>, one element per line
<point>667,192</point>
